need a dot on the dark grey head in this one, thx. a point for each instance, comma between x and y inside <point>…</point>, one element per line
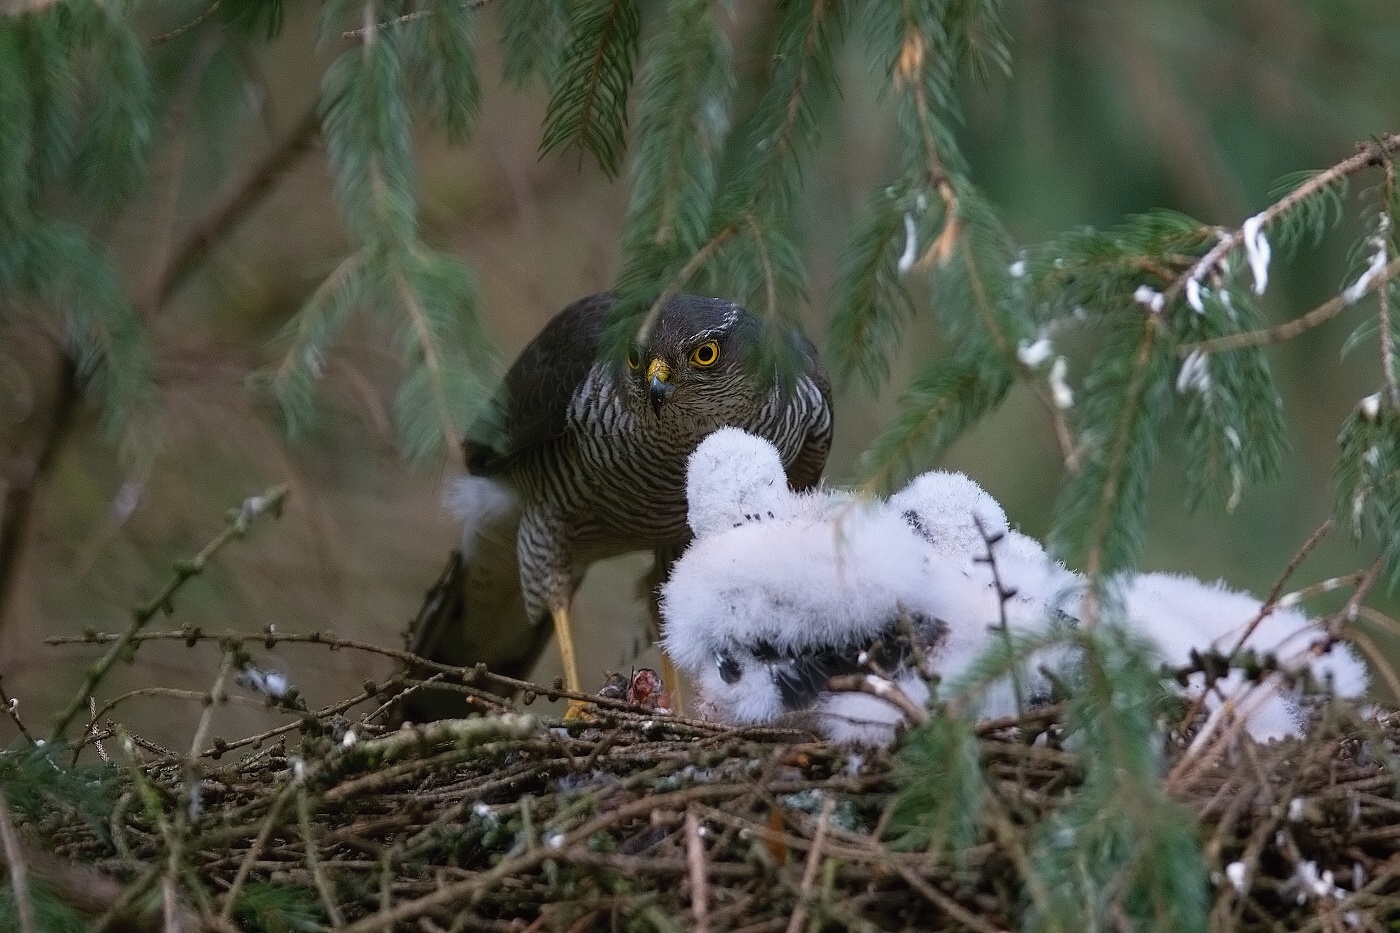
<point>695,358</point>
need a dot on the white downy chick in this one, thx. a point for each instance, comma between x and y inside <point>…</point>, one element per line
<point>1180,613</point>
<point>780,591</point>
<point>735,477</point>
<point>945,509</point>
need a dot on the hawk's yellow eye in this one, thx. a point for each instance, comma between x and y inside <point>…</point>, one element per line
<point>634,359</point>
<point>706,354</point>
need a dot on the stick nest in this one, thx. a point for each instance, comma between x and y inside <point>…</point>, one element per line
<point>633,820</point>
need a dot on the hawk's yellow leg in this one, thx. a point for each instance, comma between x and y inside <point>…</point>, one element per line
<point>672,678</point>
<point>564,633</point>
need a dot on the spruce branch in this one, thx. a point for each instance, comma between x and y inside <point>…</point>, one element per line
<point>367,30</point>
<point>432,359</point>
<point>588,103</point>
<point>238,522</point>
<point>1385,224</point>
<point>1370,154</point>
<point>198,21</point>
<point>1288,330</point>
<point>1069,449</point>
<point>1116,464</point>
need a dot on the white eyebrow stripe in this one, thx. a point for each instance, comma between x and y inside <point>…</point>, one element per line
<point>710,334</point>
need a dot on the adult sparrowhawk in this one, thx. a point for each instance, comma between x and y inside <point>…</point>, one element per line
<point>582,456</point>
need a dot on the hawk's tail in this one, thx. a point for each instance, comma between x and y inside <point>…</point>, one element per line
<point>475,614</point>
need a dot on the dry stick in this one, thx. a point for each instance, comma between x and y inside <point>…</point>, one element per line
<point>179,31</point>
<point>468,674</point>
<point>484,881</point>
<point>809,872</point>
<point>19,877</point>
<point>1349,612</point>
<point>12,710</point>
<point>1004,594</point>
<point>1289,329</point>
<point>695,864</point>
<point>943,902</point>
<point>1270,601</point>
<point>185,815</point>
<point>270,501</point>
<point>174,693</point>
<point>313,865</point>
<point>884,689</point>
<point>246,867</point>
<point>1378,660</point>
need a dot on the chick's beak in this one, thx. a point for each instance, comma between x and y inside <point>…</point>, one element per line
<point>660,386</point>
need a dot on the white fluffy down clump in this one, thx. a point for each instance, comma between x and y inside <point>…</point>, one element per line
<point>780,589</point>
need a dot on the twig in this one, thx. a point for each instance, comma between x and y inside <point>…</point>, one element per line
<point>246,866</point>
<point>1004,594</point>
<point>809,872</point>
<point>699,882</point>
<point>1370,154</point>
<point>19,877</point>
<point>174,693</point>
<point>886,690</point>
<point>406,18</point>
<point>692,265</point>
<point>323,886</point>
<point>943,902</point>
<point>238,522</point>
<point>1272,599</point>
<point>1348,612</point>
<point>467,674</point>
<point>1289,329</point>
<point>181,30</point>
<point>12,710</point>
<point>1383,234</point>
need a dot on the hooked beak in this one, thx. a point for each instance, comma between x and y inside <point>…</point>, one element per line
<point>660,386</point>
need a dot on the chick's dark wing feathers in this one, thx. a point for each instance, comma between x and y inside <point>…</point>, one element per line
<point>531,406</point>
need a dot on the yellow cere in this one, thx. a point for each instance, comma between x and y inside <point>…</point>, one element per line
<point>658,369</point>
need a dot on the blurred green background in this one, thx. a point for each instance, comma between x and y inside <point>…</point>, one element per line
<point>1111,109</point>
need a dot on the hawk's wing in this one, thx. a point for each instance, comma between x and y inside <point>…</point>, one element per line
<point>530,409</point>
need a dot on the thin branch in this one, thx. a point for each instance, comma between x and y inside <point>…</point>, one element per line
<point>1069,450</point>
<point>466,674</point>
<point>886,690</point>
<point>688,271</point>
<point>1271,601</point>
<point>1347,614</point>
<point>1290,329</point>
<point>313,864</point>
<point>181,30</point>
<point>1093,565</point>
<point>1371,154</point>
<point>699,883</point>
<point>270,501</point>
<point>11,706</point>
<point>1384,222</point>
<point>432,360</point>
<point>809,871</point>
